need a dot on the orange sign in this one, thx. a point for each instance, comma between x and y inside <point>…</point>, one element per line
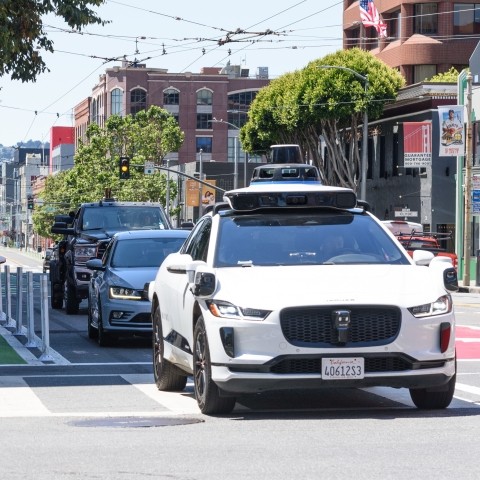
<point>192,191</point>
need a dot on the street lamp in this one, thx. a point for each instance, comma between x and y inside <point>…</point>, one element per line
<point>235,153</point>
<point>363,179</point>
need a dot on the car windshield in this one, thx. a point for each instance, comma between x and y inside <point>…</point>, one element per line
<point>143,252</point>
<point>316,238</point>
<point>123,218</point>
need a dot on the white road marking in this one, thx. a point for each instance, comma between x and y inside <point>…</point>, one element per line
<point>17,399</point>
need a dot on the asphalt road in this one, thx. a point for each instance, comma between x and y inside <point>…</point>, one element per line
<point>95,413</point>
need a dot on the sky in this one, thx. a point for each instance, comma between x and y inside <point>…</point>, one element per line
<point>180,36</point>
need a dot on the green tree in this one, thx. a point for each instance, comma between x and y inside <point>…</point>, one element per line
<point>147,136</point>
<point>23,37</point>
<point>302,106</point>
<point>450,76</point>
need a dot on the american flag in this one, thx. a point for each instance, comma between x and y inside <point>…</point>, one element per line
<point>371,18</point>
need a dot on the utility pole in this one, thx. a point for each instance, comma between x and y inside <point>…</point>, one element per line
<point>468,186</point>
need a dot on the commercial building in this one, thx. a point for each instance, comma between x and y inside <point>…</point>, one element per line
<point>423,38</point>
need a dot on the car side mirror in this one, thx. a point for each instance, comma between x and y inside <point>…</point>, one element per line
<point>450,279</point>
<point>204,284</point>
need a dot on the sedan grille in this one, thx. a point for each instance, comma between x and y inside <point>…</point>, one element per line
<point>315,326</point>
<point>314,365</point>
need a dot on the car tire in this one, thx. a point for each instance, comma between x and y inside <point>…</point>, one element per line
<point>56,300</point>
<point>167,377</point>
<point>71,302</point>
<point>92,332</point>
<point>104,339</point>
<point>425,399</point>
<point>207,393</point>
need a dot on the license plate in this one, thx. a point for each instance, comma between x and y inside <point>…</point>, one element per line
<point>343,368</point>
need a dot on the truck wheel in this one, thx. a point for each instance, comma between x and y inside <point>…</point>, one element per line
<point>71,302</point>
<point>56,300</point>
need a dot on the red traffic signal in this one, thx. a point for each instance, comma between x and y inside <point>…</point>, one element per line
<point>124,168</point>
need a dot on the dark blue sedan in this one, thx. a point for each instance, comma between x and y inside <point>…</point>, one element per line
<point>117,304</point>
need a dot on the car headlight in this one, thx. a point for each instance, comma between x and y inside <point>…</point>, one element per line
<point>123,293</point>
<point>439,307</point>
<point>86,252</point>
<point>219,308</point>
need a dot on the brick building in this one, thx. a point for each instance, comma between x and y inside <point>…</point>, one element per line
<point>197,100</point>
<point>424,38</point>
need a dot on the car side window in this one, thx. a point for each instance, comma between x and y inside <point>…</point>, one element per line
<point>197,246</point>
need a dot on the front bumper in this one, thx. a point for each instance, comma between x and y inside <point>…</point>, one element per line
<point>241,380</point>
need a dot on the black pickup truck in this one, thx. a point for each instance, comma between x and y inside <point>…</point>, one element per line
<point>86,235</point>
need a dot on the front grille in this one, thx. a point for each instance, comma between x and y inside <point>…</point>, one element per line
<point>101,247</point>
<point>315,327</point>
<point>314,365</point>
<point>140,320</point>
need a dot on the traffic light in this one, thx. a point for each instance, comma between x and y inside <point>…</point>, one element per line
<point>124,168</point>
<point>30,202</point>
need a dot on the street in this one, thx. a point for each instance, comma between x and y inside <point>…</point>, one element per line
<point>96,413</point>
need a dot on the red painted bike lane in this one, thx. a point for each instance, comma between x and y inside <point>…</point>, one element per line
<point>468,343</point>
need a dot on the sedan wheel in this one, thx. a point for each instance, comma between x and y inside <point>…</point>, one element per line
<point>207,393</point>
<point>167,376</point>
<point>92,332</point>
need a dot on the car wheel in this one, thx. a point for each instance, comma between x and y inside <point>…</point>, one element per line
<point>56,298</point>
<point>92,332</point>
<point>167,377</point>
<point>434,400</point>
<point>207,393</point>
<point>71,302</point>
<point>104,339</point>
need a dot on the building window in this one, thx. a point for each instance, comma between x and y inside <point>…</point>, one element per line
<point>94,111</point>
<point>204,144</point>
<point>138,100</point>
<point>466,18</point>
<point>116,101</point>
<point>204,97</point>
<point>394,25</point>
<point>423,72</point>
<point>238,105</point>
<point>171,96</point>
<point>426,18</point>
<point>204,121</point>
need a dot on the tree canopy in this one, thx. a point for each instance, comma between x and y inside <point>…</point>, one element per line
<point>145,137</point>
<point>450,76</point>
<point>23,36</point>
<point>315,106</point>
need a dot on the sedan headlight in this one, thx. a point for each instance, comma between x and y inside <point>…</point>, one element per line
<point>219,308</point>
<point>439,307</point>
<point>123,293</point>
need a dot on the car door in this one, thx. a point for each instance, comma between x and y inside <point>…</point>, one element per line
<point>197,248</point>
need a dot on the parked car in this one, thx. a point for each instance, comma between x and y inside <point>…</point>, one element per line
<point>294,286</point>
<point>117,304</point>
<point>47,256</point>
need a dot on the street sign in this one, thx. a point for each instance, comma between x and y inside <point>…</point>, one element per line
<point>149,168</point>
<point>406,212</point>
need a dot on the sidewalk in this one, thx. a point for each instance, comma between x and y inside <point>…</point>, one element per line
<point>472,288</point>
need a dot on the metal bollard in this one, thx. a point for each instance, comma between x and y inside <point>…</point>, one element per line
<point>1,299</point>
<point>30,318</point>
<point>19,314</point>
<point>45,319</point>
<point>8,297</point>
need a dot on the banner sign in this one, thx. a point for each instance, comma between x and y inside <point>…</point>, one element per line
<point>452,136</point>
<point>417,144</point>
<point>192,192</point>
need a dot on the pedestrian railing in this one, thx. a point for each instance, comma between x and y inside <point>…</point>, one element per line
<point>22,289</point>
